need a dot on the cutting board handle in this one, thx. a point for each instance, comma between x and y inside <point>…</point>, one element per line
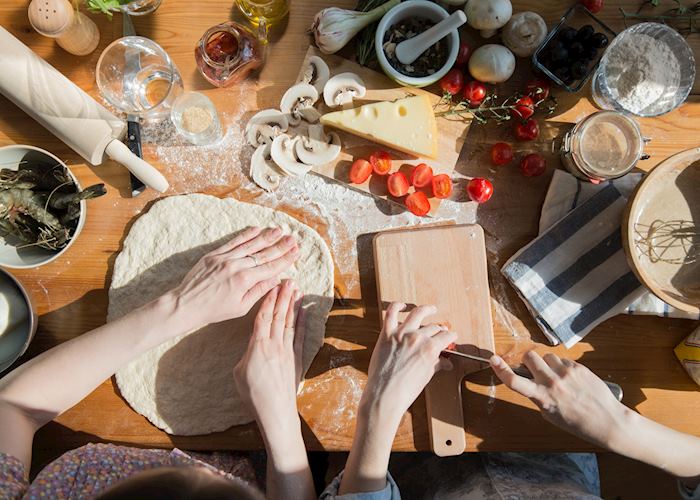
<point>445,415</point>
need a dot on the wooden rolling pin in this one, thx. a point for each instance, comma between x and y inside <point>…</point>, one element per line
<point>74,31</point>
<point>66,111</point>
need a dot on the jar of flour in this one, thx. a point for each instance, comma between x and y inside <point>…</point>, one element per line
<point>647,70</point>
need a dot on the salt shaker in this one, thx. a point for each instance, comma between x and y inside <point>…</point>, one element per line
<point>74,31</point>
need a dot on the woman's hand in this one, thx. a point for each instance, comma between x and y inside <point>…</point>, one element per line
<point>227,282</point>
<point>268,375</point>
<point>569,395</point>
<point>405,358</point>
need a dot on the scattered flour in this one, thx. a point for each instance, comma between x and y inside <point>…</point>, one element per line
<point>641,70</point>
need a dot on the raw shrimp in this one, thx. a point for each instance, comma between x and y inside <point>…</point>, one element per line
<point>24,201</point>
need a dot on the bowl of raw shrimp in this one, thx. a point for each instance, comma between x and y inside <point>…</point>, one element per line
<point>42,207</point>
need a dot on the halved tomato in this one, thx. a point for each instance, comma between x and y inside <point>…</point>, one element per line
<point>442,186</point>
<point>360,171</point>
<point>381,162</point>
<point>418,203</point>
<point>421,175</point>
<point>397,184</point>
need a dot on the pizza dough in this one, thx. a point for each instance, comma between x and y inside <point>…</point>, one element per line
<point>185,386</point>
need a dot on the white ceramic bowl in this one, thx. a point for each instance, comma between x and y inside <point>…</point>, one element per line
<point>21,320</point>
<point>404,10</point>
<point>25,258</point>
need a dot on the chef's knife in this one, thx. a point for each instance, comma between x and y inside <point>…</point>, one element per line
<point>133,131</point>
<point>524,372</point>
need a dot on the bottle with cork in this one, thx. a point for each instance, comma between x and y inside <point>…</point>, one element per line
<point>74,31</point>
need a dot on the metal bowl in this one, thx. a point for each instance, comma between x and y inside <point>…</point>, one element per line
<point>29,257</point>
<point>18,319</point>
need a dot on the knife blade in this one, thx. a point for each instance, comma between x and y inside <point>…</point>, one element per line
<point>133,132</point>
<point>524,372</point>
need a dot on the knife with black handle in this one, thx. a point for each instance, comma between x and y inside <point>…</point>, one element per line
<point>133,133</point>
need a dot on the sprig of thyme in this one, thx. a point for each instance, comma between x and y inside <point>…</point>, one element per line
<point>364,41</point>
<point>490,109</point>
<point>684,18</point>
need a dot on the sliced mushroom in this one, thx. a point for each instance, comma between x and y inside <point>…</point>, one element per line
<point>317,148</point>
<point>298,97</point>
<point>316,73</point>
<point>284,156</point>
<point>342,89</point>
<point>264,126</point>
<point>262,170</point>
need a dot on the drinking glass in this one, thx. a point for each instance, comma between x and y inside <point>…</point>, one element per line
<point>264,13</point>
<point>136,76</point>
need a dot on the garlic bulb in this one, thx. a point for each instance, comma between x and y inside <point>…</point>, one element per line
<point>334,27</point>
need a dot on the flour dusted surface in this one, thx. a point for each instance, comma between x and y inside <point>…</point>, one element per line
<point>185,386</point>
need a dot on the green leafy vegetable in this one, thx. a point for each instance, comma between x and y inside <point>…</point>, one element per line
<point>105,6</point>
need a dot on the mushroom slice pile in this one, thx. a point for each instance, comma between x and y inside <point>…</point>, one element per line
<point>264,126</point>
<point>298,102</point>
<point>262,171</point>
<point>284,155</point>
<point>342,89</point>
<point>316,73</point>
<point>317,148</point>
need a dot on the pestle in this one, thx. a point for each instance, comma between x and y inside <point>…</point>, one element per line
<point>409,50</point>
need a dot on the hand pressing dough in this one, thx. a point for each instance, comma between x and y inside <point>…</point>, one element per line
<point>185,386</point>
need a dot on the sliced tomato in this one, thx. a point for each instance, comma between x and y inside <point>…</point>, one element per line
<point>360,171</point>
<point>381,162</point>
<point>397,185</point>
<point>421,175</point>
<point>442,186</point>
<point>418,203</point>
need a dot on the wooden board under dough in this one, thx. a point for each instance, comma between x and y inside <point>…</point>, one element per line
<point>451,132</point>
<point>444,267</point>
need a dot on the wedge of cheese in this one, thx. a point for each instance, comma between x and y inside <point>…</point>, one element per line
<point>406,124</point>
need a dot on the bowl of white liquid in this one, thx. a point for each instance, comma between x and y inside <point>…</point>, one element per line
<point>648,70</point>
<point>18,321</point>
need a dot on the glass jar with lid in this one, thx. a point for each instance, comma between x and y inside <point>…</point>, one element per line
<point>227,53</point>
<point>605,145</point>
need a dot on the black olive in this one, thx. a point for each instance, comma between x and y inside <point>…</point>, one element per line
<point>567,35</point>
<point>563,73</point>
<point>599,40</point>
<point>590,53</point>
<point>579,69</point>
<point>559,54</point>
<point>584,33</point>
<point>576,50</point>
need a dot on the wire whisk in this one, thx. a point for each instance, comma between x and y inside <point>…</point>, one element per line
<point>672,242</point>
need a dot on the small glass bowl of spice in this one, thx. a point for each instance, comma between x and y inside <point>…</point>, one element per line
<point>403,22</point>
<point>196,119</point>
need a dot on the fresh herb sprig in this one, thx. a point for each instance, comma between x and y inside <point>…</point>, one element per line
<point>490,108</point>
<point>364,41</point>
<point>105,6</point>
<point>684,18</point>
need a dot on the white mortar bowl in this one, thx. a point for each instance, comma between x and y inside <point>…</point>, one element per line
<point>404,10</point>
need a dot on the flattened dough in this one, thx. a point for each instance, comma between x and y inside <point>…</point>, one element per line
<point>185,386</point>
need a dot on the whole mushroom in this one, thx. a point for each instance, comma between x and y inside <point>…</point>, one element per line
<point>524,33</point>
<point>488,15</point>
<point>492,63</point>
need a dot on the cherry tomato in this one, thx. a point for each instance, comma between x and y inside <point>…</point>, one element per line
<point>524,108</point>
<point>381,162</point>
<point>463,55</point>
<point>538,89</point>
<point>452,82</point>
<point>474,92</point>
<point>421,175</point>
<point>360,171</point>
<point>501,154</point>
<point>533,165</point>
<point>397,185</point>
<point>418,203</point>
<point>480,190</point>
<point>594,6</point>
<point>442,186</point>
<point>527,130</point>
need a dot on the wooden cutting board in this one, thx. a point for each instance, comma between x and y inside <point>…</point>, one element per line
<point>445,267</point>
<point>452,132</point>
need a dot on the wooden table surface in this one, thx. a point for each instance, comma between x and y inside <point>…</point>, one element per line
<point>71,293</point>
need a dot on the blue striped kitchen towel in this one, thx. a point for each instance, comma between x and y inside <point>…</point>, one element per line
<point>575,275</point>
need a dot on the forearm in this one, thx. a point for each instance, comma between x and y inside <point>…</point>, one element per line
<point>288,471</point>
<point>652,443</point>
<point>368,462</point>
<point>56,380</point>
